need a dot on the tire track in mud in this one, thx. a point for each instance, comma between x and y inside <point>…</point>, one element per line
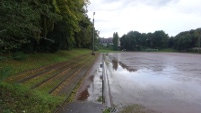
<point>58,72</point>
<point>67,84</point>
<point>50,84</point>
<point>61,79</point>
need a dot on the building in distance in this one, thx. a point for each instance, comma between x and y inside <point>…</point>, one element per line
<point>106,41</point>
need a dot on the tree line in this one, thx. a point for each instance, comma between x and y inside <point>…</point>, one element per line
<point>136,41</point>
<point>44,25</point>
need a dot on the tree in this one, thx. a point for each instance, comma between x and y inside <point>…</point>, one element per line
<point>187,39</point>
<point>171,42</point>
<point>25,22</point>
<point>83,37</point>
<point>160,39</point>
<point>135,41</point>
<point>144,39</point>
<point>131,41</point>
<point>115,41</point>
<point>19,24</point>
<point>123,45</point>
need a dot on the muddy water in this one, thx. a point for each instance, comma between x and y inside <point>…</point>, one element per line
<point>162,82</point>
<point>91,87</point>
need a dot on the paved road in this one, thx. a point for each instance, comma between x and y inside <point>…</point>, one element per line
<point>82,107</point>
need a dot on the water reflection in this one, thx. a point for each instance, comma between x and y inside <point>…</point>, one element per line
<point>154,88</point>
<point>115,64</point>
<point>139,60</point>
<point>83,95</point>
<point>91,87</point>
<point>91,78</point>
<point>101,77</point>
<point>127,67</point>
<point>166,84</point>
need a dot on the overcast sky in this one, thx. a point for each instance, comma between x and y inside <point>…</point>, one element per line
<point>122,16</point>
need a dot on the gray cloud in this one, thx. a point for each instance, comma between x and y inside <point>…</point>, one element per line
<point>172,16</point>
<point>159,2</point>
<point>154,3</point>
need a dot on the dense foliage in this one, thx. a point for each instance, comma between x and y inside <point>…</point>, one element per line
<point>115,41</point>
<point>135,41</point>
<point>188,39</point>
<point>44,25</point>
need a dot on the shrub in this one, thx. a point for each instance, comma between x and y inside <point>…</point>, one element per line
<point>4,72</point>
<point>19,56</point>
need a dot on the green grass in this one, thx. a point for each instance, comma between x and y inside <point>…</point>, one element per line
<point>16,98</point>
<point>10,67</point>
<point>19,98</point>
<point>39,79</point>
<point>100,99</point>
<point>133,109</point>
<point>168,50</point>
<point>4,72</point>
<point>106,51</point>
<point>107,110</point>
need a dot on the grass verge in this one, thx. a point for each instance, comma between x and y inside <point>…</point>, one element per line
<point>106,51</point>
<point>168,50</point>
<point>16,98</point>
<point>10,67</point>
<point>19,98</point>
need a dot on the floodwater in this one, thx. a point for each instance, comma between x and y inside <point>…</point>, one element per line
<point>161,82</point>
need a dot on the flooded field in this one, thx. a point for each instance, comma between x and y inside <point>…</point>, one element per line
<point>160,82</point>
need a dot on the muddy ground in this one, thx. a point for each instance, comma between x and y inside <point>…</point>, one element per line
<point>91,87</point>
<point>88,98</point>
<point>62,80</point>
<point>159,82</point>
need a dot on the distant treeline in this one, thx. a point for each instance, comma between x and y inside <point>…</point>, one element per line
<point>44,25</point>
<point>135,41</point>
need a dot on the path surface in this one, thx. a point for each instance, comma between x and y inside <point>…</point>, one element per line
<point>90,91</point>
<point>82,107</point>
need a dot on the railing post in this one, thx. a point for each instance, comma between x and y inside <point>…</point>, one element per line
<point>103,74</point>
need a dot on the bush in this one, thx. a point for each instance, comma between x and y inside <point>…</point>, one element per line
<point>4,72</point>
<point>19,56</point>
<point>16,98</point>
<point>2,58</point>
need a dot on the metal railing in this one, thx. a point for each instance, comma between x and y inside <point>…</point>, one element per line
<point>106,92</point>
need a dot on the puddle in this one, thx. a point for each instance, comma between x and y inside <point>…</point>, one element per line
<point>159,82</point>
<point>91,88</point>
<point>83,95</point>
<point>115,64</point>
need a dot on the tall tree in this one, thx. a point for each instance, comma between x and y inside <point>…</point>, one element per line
<point>171,42</point>
<point>44,25</point>
<point>160,39</point>
<point>83,37</point>
<point>115,41</point>
<point>75,21</point>
<point>135,41</point>
<point>19,24</point>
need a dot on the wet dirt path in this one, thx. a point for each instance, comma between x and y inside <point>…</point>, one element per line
<point>160,82</point>
<point>89,95</point>
<point>91,88</point>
